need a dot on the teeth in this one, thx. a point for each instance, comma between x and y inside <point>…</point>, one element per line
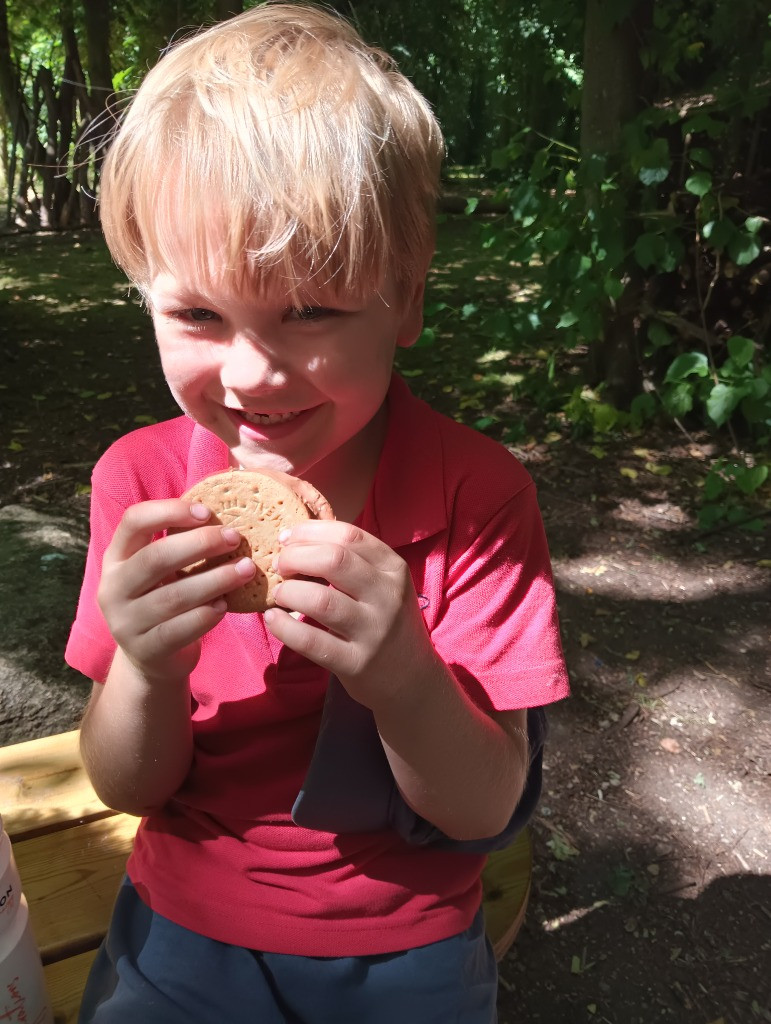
<point>265,420</point>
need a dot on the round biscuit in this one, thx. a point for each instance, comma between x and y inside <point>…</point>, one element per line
<point>259,505</point>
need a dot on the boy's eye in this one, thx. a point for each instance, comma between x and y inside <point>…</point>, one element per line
<point>201,315</point>
<point>309,313</point>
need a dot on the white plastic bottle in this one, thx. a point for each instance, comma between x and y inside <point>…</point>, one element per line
<point>23,996</point>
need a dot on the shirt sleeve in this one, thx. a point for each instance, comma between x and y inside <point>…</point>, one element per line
<point>498,628</point>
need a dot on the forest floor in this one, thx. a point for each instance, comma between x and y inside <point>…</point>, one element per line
<point>652,887</point>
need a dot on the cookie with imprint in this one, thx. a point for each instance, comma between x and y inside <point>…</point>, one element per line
<point>259,504</point>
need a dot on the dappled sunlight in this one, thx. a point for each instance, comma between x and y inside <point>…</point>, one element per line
<point>523,292</point>
<point>608,577</point>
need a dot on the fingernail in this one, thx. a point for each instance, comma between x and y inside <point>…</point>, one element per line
<point>245,567</point>
<point>230,535</point>
<point>220,605</point>
<point>199,511</point>
<point>284,536</point>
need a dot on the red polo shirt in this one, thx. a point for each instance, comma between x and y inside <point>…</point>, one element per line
<point>224,857</point>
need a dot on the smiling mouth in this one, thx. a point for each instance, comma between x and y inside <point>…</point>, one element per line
<point>268,419</point>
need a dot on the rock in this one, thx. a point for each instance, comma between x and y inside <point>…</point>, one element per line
<point>41,566</point>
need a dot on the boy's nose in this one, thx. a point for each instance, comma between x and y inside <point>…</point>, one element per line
<point>249,366</point>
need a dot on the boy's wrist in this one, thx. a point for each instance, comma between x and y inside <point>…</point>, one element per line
<point>414,687</point>
<point>152,678</point>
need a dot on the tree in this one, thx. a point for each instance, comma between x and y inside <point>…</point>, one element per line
<point>57,84</point>
<point>613,93</point>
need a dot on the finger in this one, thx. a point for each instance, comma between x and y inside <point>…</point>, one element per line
<point>179,632</point>
<point>324,649</point>
<point>145,520</point>
<point>327,606</point>
<point>190,592</point>
<point>160,561</point>
<point>343,567</point>
<point>130,620</point>
<point>346,535</point>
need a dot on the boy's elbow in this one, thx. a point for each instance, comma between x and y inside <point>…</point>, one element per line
<point>478,827</point>
<point>126,803</point>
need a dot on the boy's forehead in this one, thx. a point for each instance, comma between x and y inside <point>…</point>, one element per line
<point>211,250</point>
<point>183,284</point>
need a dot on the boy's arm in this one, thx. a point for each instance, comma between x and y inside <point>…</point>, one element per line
<point>136,736</point>
<point>459,767</point>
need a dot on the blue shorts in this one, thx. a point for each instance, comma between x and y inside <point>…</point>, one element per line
<point>153,971</point>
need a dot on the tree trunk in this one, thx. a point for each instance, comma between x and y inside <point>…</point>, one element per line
<point>10,86</point>
<point>97,17</point>
<point>612,85</point>
<point>612,94</point>
<point>18,115</point>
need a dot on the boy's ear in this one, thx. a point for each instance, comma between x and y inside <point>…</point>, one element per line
<point>412,316</point>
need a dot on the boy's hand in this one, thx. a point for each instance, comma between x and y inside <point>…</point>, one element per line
<point>156,617</point>
<point>376,631</point>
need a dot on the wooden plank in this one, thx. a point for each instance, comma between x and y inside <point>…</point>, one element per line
<point>65,981</point>
<point>506,887</point>
<point>44,786</point>
<point>70,879</point>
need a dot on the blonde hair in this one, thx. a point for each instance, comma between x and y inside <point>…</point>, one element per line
<point>275,145</point>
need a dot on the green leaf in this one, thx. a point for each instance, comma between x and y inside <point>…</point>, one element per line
<point>699,184</point>
<point>751,478</point>
<point>653,175</point>
<point>658,335</point>
<point>754,224</point>
<point>718,232</point>
<point>703,123</point>
<point>686,364</point>
<point>427,337</point>
<point>471,204</point>
<point>743,249</point>
<point>714,486</point>
<point>700,156</point>
<point>663,252</point>
<point>646,249</point>
<point>723,399</point>
<point>604,417</point>
<point>432,308</point>
<point>643,407</point>
<point>679,400</point>
<point>741,350</point>
<point>568,319</point>
<point>468,310</point>
<point>556,240</point>
<point>614,288</point>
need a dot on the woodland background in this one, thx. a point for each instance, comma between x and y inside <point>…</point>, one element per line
<point>601,304</point>
<point>625,146</point>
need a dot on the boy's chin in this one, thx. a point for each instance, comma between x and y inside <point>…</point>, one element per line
<point>259,461</point>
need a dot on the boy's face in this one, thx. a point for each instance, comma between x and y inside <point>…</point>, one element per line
<point>287,384</point>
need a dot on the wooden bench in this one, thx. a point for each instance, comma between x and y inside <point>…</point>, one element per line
<point>71,853</point>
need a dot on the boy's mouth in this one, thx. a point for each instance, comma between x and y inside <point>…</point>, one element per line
<point>267,419</point>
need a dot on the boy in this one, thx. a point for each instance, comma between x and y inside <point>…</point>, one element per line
<point>271,192</point>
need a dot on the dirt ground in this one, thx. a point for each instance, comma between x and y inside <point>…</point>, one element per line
<point>652,887</point>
